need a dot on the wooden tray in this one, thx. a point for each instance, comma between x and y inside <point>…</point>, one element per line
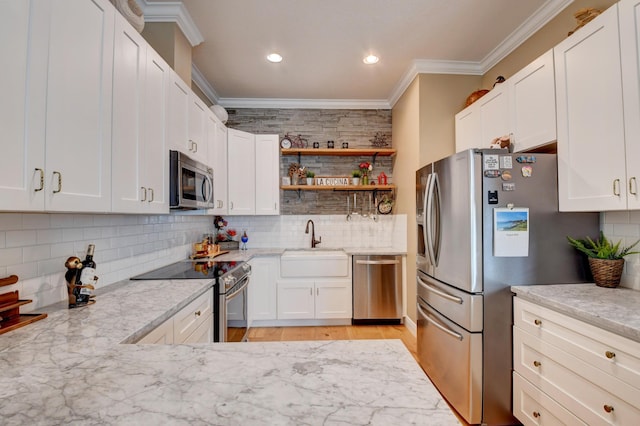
<point>10,302</point>
<point>220,253</point>
<point>20,321</point>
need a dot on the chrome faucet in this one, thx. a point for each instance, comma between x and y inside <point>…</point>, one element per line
<point>314,242</point>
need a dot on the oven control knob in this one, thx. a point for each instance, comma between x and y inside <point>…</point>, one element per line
<point>246,268</point>
<point>229,281</point>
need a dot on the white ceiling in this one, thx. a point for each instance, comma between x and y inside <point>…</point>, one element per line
<point>323,43</point>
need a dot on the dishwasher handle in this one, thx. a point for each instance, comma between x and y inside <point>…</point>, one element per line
<point>377,262</point>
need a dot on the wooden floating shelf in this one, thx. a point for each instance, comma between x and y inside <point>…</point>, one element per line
<point>341,152</point>
<point>339,188</point>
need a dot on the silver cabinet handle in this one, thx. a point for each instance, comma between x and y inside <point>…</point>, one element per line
<point>41,180</point>
<point>616,187</point>
<point>441,327</point>
<point>55,191</point>
<point>633,186</point>
<point>151,197</point>
<point>310,292</point>
<point>144,194</point>
<point>439,293</point>
<point>230,205</point>
<point>219,204</point>
<point>377,262</point>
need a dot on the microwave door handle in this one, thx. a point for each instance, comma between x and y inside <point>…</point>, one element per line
<point>207,188</point>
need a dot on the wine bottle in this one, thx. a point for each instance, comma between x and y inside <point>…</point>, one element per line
<point>88,272</point>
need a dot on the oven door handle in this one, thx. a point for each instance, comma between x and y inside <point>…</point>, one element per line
<point>239,290</point>
<point>439,292</point>
<point>437,324</point>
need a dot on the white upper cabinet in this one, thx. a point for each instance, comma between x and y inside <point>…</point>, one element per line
<point>178,121</point>
<point>140,154</point>
<point>267,175</point>
<point>630,49</point>
<point>56,105</point>
<point>591,128</point>
<point>532,104</point>
<point>494,115</point>
<point>78,106</point>
<point>253,165</point>
<point>22,159</point>
<point>242,172</point>
<point>217,136</point>
<point>468,128</point>
<point>198,143</point>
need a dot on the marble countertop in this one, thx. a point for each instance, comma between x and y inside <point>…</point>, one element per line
<point>248,254</point>
<point>613,309</point>
<point>75,367</point>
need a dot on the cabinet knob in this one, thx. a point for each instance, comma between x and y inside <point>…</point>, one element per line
<point>608,408</point>
<point>537,322</point>
<point>610,354</point>
<point>537,363</point>
<point>198,313</point>
<point>536,414</point>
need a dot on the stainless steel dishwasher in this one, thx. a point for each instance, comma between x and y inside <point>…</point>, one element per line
<point>377,289</point>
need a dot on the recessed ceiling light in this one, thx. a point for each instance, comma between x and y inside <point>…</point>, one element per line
<point>274,57</point>
<point>371,59</point>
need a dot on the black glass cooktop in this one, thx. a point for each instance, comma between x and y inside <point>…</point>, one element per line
<point>190,270</point>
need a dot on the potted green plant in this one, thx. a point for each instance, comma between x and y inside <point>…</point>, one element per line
<point>310,176</point>
<point>606,259</point>
<point>355,177</point>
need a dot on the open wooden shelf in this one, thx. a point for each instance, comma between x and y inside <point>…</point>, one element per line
<point>10,302</point>
<point>340,152</point>
<point>390,187</point>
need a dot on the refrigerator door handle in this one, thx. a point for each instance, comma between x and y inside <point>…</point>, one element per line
<point>437,324</point>
<point>439,293</point>
<point>425,227</point>
<point>433,219</point>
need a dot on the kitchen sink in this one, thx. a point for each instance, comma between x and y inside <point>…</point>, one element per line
<point>316,262</point>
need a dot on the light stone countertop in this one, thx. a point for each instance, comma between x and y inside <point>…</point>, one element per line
<point>613,309</point>
<point>72,368</point>
<point>248,254</point>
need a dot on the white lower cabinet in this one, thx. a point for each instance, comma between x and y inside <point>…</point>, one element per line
<point>192,324</point>
<point>262,288</point>
<point>314,299</point>
<point>569,372</point>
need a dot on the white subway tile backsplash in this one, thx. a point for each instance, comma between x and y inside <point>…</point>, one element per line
<point>48,236</point>
<point>10,256</point>
<point>626,229</point>
<point>35,253</point>
<point>10,221</point>
<point>36,221</point>
<point>634,216</point>
<point>20,238</point>
<point>616,217</point>
<point>625,226</point>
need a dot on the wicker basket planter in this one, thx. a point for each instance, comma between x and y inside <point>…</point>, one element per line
<point>606,272</point>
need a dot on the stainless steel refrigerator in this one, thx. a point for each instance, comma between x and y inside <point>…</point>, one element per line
<point>486,220</point>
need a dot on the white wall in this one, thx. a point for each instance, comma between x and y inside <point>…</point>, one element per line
<point>35,246</point>
<point>625,226</point>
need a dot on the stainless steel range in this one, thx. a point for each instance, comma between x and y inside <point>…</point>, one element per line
<point>229,297</point>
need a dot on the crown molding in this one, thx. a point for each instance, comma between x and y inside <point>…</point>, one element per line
<point>198,79</point>
<point>174,11</point>
<point>539,19</point>
<point>304,103</point>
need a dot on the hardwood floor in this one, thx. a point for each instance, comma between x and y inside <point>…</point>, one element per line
<point>342,332</point>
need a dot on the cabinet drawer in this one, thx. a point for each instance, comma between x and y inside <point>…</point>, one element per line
<point>609,352</point>
<point>191,316</point>
<point>533,407</point>
<point>586,391</point>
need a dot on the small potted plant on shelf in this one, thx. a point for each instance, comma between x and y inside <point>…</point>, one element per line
<point>355,177</point>
<point>606,259</point>
<point>310,176</point>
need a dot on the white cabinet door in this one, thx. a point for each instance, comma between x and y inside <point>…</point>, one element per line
<point>262,288</point>
<point>630,53</point>
<point>203,333</point>
<point>333,299</point>
<point>591,151</point>
<point>129,61</point>
<point>296,299</point>
<point>78,106</point>
<point>198,143</point>
<point>178,124</point>
<point>187,320</point>
<point>494,115</point>
<point>217,136</point>
<point>155,156</point>
<point>532,100</point>
<point>267,172</point>
<point>22,160</point>
<point>468,128</point>
<point>242,172</point>
<point>162,335</point>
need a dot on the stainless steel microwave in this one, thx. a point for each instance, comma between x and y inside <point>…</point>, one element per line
<point>190,183</point>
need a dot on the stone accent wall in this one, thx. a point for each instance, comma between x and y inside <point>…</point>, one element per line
<point>355,127</point>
